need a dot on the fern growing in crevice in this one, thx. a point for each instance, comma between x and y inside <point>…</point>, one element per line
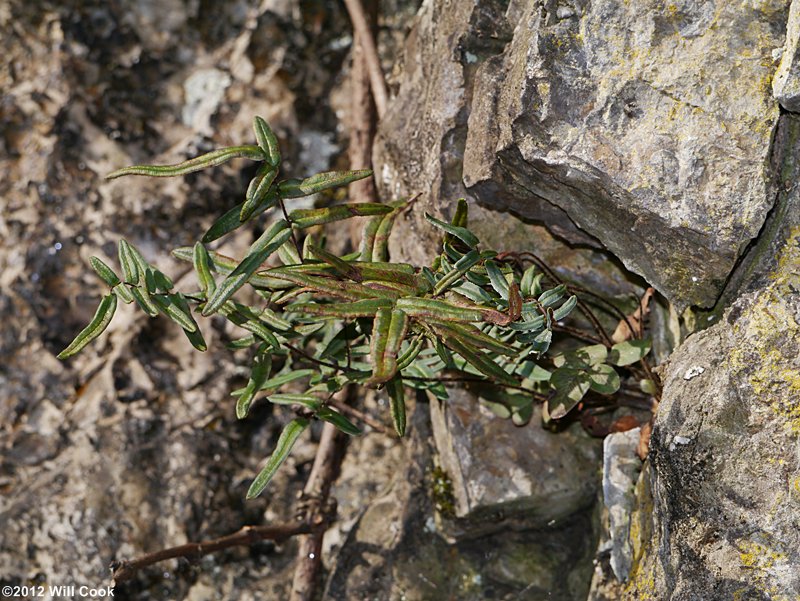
<point>326,321</point>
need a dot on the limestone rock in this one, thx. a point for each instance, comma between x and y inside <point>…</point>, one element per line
<point>725,467</point>
<point>642,128</point>
<point>501,472</point>
<point>786,83</point>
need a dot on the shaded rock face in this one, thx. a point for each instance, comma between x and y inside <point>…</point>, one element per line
<point>502,473</point>
<point>725,455</point>
<point>641,128</point>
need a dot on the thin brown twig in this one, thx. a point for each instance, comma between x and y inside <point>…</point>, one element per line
<point>359,415</point>
<point>361,29</point>
<point>318,510</point>
<point>248,535</point>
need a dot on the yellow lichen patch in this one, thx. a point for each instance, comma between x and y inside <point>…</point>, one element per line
<point>759,557</point>
<point>762,354</point>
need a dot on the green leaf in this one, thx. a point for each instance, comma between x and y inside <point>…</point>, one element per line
<point>145,302</point>
<point>337,419</point>
<point>170,308</point>
<point>98,324</point>
<point>345,290</point>
<point>309,401</point>
<point>121,290</point>
<point>211,159</point>
<point>195,338</point>
<point>285,443</point>
<point>604,378</point>
<point>388,332</point>
<point>412,351</point>
<point>231,220</point>
<point>459,269</point>
<point>527,281</point>
<point>304,218</point>
<point>474,336</point>
<point>343,268</point>
<point>130,267</point>
<point>397,404</point>
<point>282,379</point>
<point>552,296</point>
<point>259,372</point>
<point>571,385</point>
<point>438,310</point>
<point>201,262</point>
<point>288,254</point>
<point>463,234</point>
<point>267,141</point>
<point>380,250</point>
<point>262,248</point>
<point>582,357</point>
<point>523,415</point>
<point>497,279</point>
<point>565,308</point>
<point>628,352</point>
<point>245,319</point>
<point>104,271</point>
<point>362,308</point>
<point>480,361</point>
<point>257,190</point>
<point>319,182</point>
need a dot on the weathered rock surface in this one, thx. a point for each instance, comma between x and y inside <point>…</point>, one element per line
<point>786,83</point>
<point>724,506</point>
<point>505,474</point>
<point>644,128</point>
<point>395,552</point>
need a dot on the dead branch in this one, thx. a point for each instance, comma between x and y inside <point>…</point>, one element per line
<point>361,28</point>
<point>248,535</point>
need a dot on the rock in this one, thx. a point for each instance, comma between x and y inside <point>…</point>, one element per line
<point>786,83</point>
<point>396,552</point>
<point>621,466</point>
<point>643,129</point>
<point>722,519</point>
<point>505,474</point>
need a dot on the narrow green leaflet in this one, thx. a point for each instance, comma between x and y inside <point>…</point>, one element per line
<point>258,190</point>
<point>462,233</point>
<point>201,261</point>
<point>407,357</point>
<point>130,267</point>
<point>479,361</point>
<point>104,271</point>
<point>362,308</point>
<point>231,220</point>
<point>288,254</point>
<point>380,249</point>
<point>309,401</point>
<point>259,372</point>
<point>388,333</point>
<point>497,279</point>
<point>100,321</point>
<point>397,404</point>
<point>526,282</point>
<point>346,290</point>
<point>565,309</point>
<point>571,385</point>
<point>195,338</point>
<point>121,290</point>
<point>459,269</point>
<point>168,306</point>
<point>304,218</point>
<point>286,441</point>
<point>343,268</point>
<point>145,302</point>
<point>267,141</point>
<point>247,321</point>
<point>628,352</point>
<point>262,248</point>
<point>211,159</point>
<point>469,333</point>
<point>321,181</point>
<point>438,310</point>
<point>550,297</point>
<point>337,419</point>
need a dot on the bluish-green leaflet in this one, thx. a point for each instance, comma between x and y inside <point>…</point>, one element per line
<point>286,441</point>
<point>211,159</point>
<point>397,404</point>
<point>461,233</point>
<point>267,141</point>
<point>259,372</point>
<point>100,321</point>
<point>266,244</point>
<point>337,419</point>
